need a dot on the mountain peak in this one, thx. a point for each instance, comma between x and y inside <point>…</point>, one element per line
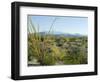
<point>64,34</point>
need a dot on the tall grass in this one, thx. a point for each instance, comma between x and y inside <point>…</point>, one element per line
<point>39,42</point>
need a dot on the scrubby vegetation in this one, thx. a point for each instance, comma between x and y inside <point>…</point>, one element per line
<point>51,49</point>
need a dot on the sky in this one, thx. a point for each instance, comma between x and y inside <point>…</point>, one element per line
<point>63,24</point>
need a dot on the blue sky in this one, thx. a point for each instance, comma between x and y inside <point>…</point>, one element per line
<point>64,24</point>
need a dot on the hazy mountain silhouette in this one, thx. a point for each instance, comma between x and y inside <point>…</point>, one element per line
<point>62,34</point>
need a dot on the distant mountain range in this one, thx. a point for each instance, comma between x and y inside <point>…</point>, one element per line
<point>63,34</point>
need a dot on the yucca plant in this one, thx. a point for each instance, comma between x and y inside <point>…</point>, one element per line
<point>38,45</point>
